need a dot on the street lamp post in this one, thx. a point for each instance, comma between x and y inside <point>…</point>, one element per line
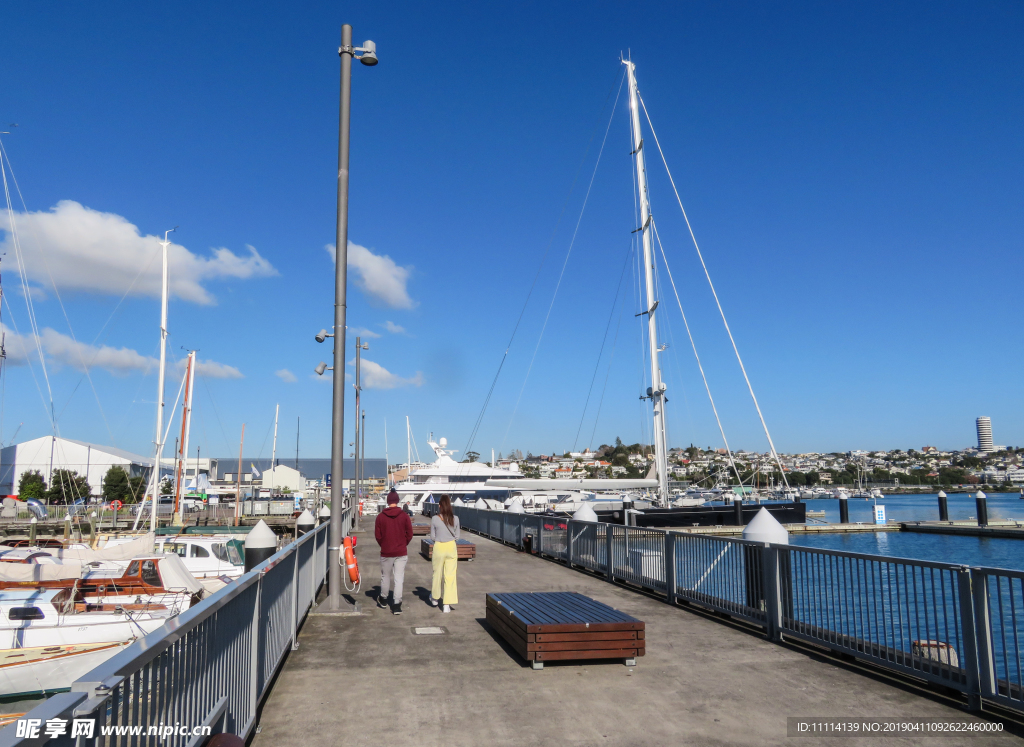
<point>369,58</point>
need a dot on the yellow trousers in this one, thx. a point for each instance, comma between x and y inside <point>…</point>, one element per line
<point>445,560</point>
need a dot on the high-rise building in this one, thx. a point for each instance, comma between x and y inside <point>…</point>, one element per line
<point>985,435</point>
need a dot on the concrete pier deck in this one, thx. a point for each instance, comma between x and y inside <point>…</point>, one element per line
<point>367,679</point>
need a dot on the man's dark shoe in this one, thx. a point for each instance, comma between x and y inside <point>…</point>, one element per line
<point>396,609</point>
<point>382,602</point>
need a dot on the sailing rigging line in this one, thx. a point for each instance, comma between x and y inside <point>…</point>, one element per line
<point>543,259</point>
<point>16,241</point>
<point>60,301</point>
<point>707,274</point>
<point>597,363</point>
<point>607,375</point>
<point>700,366</point>
<point>98,334</point>
<point>565,263</point>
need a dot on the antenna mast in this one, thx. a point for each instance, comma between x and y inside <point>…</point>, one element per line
<point>656,392</point>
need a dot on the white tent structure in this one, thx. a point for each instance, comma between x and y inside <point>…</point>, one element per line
<point>49,453</point>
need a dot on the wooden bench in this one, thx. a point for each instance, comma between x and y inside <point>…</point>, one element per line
<point>465,549</point>
<point>418,530</point>
<point>564,625</point>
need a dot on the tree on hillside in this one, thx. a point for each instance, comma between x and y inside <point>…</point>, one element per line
<point>31,485</point>
<point>166,487</point>
<point>67,486</point>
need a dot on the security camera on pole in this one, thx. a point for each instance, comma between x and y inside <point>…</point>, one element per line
<point>368,57</point>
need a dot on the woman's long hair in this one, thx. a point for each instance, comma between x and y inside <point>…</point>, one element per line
<point>444,510</point>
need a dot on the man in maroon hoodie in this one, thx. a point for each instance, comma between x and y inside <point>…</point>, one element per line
<point>393,531</point>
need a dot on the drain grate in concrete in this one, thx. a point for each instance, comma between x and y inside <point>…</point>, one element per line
<point>429,631</point>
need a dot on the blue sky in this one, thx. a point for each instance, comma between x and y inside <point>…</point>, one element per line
<point>852,171</point>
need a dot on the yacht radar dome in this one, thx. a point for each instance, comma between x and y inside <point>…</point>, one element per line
<point>443,442</point>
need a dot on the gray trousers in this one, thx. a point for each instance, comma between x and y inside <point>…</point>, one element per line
<point>389,566</point>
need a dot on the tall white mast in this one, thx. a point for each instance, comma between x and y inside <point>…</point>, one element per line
<point>273,452</point>
<point>656,392</point>
<point>154,479</point>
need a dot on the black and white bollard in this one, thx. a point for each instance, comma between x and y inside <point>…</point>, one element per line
<point>32,528</point>
<point>982,504</point>
<point>737,511</point>
<point>305,523</point>
<point>844,510</point>
<point>324,514</point>
<point>260,544</point>
<point>943,507</point>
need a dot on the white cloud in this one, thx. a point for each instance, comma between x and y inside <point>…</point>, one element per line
<point>375,376</point>
<point>286,376</point>
<point>214,370</point>
<point>362,332</point>
<point>92,251</point>
<point>62,350</point>
<point>378,276</point>
<point>393,328</point>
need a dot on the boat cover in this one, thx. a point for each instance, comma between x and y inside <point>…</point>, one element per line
<point>22,572</point>
<point>176,576</point>
<point>126,551</point>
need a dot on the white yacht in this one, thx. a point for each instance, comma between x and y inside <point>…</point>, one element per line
<point>465,480</point>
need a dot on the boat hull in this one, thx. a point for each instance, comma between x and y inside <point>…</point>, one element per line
<point>45,670</point>
<point>708,516</point>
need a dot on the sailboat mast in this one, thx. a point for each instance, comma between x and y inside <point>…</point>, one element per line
<point>159,450</point>
<point>273,452</point>
<point>186,426</point>
<point>657,389</point>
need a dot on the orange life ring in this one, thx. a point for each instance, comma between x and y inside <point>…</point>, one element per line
<point>350,561</point>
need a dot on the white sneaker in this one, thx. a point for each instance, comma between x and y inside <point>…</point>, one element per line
<point>433,602</point>
<point>446,608</point>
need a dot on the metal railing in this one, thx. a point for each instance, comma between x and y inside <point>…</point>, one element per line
<point>209,666</point>
<point>952,625</point>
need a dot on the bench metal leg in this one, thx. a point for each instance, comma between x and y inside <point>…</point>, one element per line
<point>630,662</point>
<point>537,664</point>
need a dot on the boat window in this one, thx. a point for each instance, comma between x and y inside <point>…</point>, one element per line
<point>133,568</point>
<point>25,613</point>
<point>178,548</point>
<point>149,573</point>
<point>220,553</point>
<point>234,554</point>
<point>199,552</point>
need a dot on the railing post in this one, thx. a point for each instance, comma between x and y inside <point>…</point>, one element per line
<point>295,597</point>
<point>254,654</point>
<point>974,621</point>
<point>568,543</point>
<point>670,567</point>
<point>608,539</point>
<point>540,535</point>
<point>772,589</point>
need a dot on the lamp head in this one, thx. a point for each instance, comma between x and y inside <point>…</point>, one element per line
<point>369,55</point>
<point>320,368</point>
<point>321,335</point>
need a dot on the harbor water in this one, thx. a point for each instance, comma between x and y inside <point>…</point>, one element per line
<point>965,550</point>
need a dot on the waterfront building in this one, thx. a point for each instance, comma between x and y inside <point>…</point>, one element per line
<point>985,435</point>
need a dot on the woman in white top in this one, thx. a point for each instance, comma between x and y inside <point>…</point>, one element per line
<point>445,531</point>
